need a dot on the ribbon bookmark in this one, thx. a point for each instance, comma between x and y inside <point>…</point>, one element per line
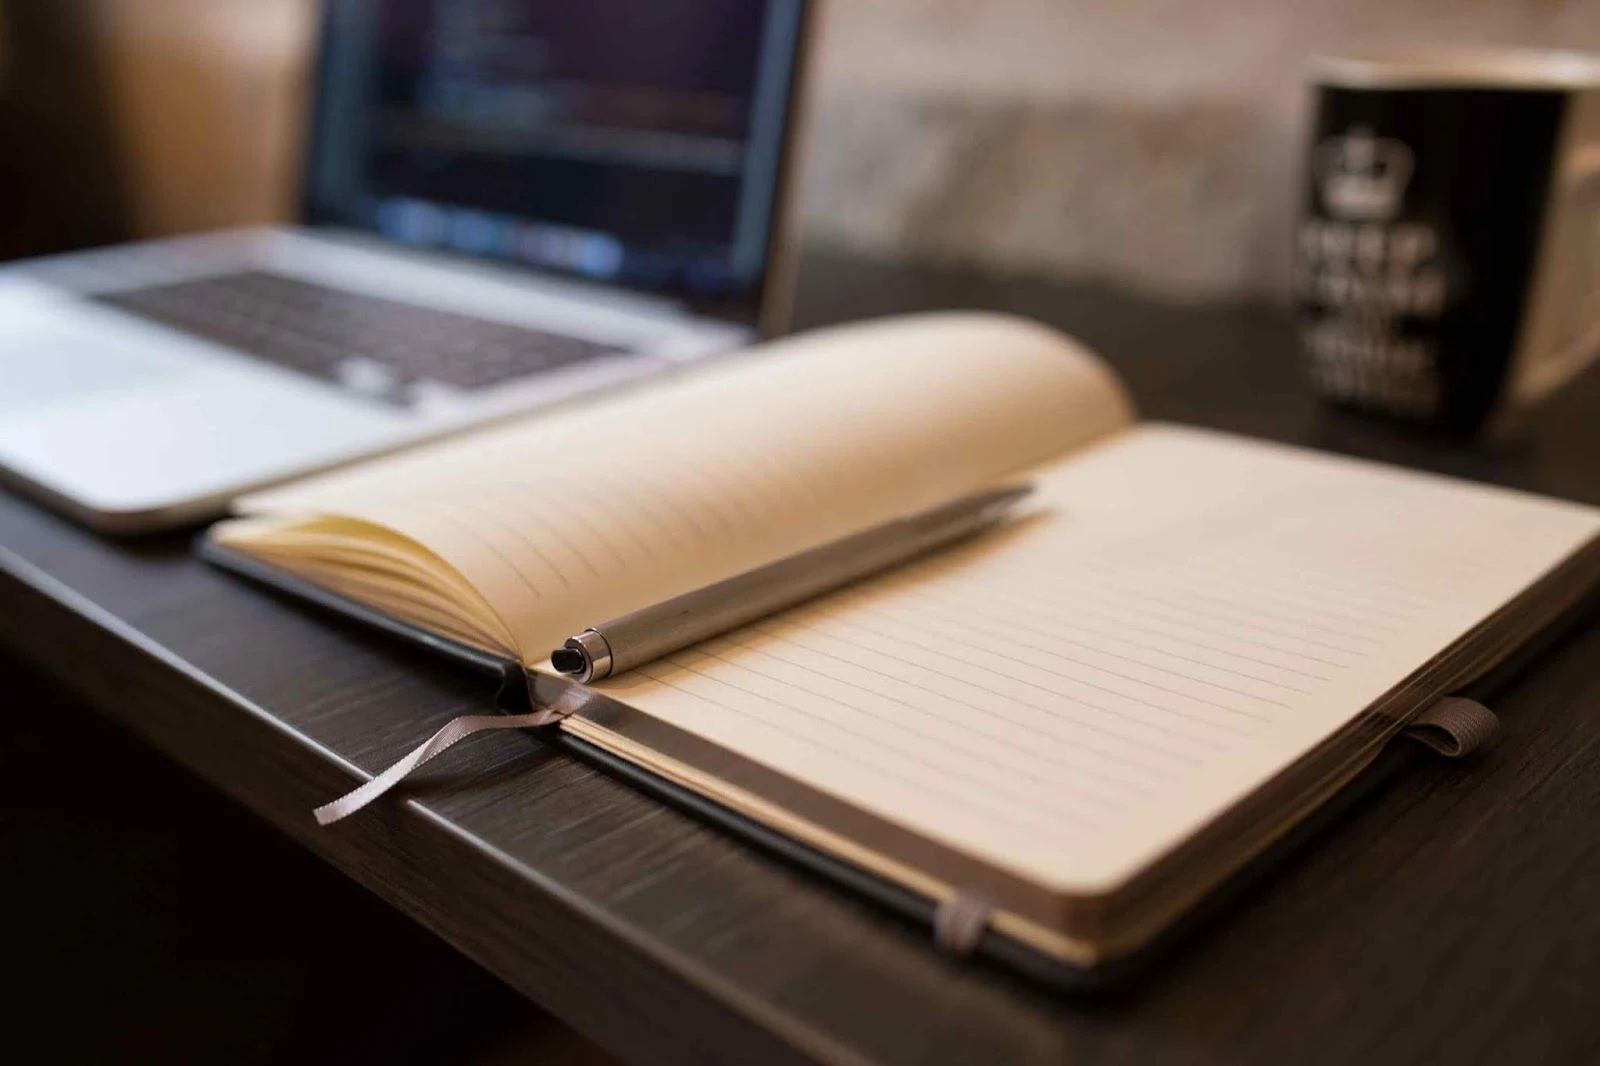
<point>456,729</point>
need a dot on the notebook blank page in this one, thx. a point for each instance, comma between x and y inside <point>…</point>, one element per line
<point>566,521</point>
<point>1186,615</point>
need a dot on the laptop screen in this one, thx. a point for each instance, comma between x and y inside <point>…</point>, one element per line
<point>638,142</point>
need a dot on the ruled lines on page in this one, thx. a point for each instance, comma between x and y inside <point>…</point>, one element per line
<point>1068,698</point>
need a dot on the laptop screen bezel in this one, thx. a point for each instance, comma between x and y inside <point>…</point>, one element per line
<point>764,305</point>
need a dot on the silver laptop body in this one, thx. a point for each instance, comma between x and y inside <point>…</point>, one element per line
<point>497,219</point>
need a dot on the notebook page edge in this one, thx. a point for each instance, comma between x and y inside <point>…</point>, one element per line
<point>669,489</point>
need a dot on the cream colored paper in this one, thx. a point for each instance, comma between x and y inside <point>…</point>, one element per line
<point>1181,618</point>
<point>563,522</point>
<point>1186,615</point>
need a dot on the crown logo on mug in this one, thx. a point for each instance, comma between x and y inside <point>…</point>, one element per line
<point>1363,177</point>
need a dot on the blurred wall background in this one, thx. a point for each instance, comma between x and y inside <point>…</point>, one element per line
<point>1152,144</point>
<point>204,99</point>
<point>1149,143</point>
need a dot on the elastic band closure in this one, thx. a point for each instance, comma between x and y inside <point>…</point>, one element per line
<point>1454,726</point>
<point>960,923</point>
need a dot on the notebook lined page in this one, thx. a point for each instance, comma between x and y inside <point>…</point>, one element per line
<point>565,521</point>
<point>1186,615</point>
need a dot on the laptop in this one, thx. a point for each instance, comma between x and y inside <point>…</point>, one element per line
<point>506,205</point>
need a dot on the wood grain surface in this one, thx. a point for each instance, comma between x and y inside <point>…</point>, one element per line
<point>1455,917</point>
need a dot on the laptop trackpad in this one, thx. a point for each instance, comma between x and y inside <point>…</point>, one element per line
<point>126,418</point>
<point>44,362</point>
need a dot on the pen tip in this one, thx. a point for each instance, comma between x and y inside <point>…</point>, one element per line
<point>1016,492</point>
<point>567,660</point>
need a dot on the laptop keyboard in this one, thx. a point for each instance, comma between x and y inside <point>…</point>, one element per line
<point>369,344</point>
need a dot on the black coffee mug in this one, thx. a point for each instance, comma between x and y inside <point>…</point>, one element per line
<point>1448,262</point>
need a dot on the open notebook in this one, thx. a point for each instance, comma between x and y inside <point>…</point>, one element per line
<point>1182,645</point>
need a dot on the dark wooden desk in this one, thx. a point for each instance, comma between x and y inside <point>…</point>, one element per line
<point>1455,918</point>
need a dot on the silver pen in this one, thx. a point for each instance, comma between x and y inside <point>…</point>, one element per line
<point>648,634</point>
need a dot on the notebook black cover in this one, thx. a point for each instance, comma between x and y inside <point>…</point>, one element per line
<point>993,948</point>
